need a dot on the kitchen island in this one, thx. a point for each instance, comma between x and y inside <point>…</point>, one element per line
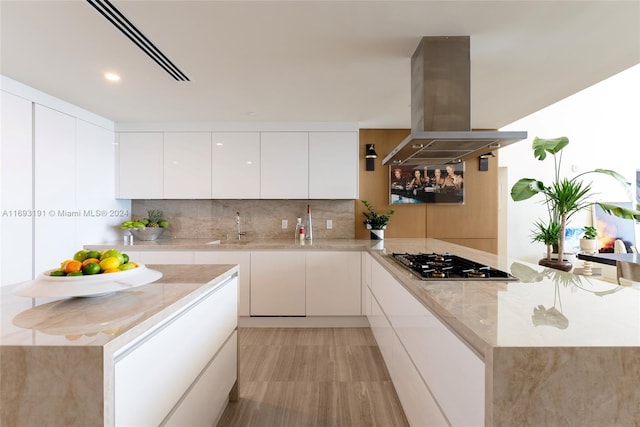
<point>134,357</point>
<point>550,349</point>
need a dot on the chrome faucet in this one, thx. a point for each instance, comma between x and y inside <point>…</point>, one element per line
<point>240,233</point>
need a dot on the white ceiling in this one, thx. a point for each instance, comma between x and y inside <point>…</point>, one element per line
<point>312,61</point>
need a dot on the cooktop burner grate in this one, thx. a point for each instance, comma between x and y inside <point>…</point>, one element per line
<point>448,267</point>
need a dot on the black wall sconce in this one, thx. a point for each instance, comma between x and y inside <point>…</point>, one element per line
<point>484,161</point>
<point>370,156</point>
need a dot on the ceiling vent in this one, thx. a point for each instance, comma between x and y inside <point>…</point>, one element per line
<point>114,16</point>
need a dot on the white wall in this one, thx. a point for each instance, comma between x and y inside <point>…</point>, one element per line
<point>601,124</point>
<point>55,158</point>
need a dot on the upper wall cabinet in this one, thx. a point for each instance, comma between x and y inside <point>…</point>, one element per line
<point>187,165</point>
<point>238,165</point>
<point>284,165</point>
<point>235,164</point>
<point>140,174</point>
<point>333,165</point>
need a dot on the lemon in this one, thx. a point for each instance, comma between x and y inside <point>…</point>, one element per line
<point>110,263</point>
<point>113,253</point>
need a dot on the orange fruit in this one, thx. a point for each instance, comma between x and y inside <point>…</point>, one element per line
<point>111,270</point>
<point>72,266</point>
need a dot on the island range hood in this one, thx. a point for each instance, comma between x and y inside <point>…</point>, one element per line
<point>441,108</point>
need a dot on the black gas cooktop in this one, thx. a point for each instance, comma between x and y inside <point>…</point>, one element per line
<point>448,267</point>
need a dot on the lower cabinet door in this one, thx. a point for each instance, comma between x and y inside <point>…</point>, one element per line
<point>278,283</point>
<point>206,400</point>
<point>333,284</point>
<point>152,375</point>
<point>382,331</point>
<point>419,406</point>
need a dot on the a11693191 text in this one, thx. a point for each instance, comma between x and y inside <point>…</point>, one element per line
<point>65,213</point>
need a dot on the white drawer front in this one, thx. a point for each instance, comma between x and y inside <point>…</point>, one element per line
<point>151,377</point>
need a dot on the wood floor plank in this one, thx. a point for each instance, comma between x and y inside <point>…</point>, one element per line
<point>312,377</point>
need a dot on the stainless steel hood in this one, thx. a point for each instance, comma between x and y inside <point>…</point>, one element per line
<point>441,108</point>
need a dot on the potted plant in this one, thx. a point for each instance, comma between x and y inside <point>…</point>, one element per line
<point>588,243</point>
<point>375,222</point>
<point>563,196</point>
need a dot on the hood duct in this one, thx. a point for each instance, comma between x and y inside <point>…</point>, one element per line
<point>441,108</point>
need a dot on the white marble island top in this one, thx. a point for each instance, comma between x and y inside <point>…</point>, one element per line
<point>544,308</point>
<point>56,356</point>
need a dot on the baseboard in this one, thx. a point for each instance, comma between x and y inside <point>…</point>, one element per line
<point>304,322</point>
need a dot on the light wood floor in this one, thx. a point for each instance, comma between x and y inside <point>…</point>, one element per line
<point>312,377</point>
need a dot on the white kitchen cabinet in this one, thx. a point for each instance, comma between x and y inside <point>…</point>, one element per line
<point>243,260</point>
<point>333,165</point>
<point>101,214</point>
<point>54,187</point>
<point>17,189</point>
<point>382,332</point>
<point>140,165</point>
<point>333,284</point>
<point>235,165</point>
<point>418,404</point>
<point>278,283</point>
<point>169,365</point>
<point>366,283</point>
<point>455,374</point>
<point>439,379</point>
<point>284,165</point>
<point>187,165</point>
<point>209,395</point>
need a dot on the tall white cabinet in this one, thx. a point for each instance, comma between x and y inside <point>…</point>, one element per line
<point>55,156</point>
<point>16,157</point>
<point>58,181</point>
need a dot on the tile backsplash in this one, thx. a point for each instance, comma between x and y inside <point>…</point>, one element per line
<point>216,219</point>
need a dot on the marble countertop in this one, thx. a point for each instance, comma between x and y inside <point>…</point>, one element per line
<point>109,321</point>
<point>242,245</point>
<point>545,308</point>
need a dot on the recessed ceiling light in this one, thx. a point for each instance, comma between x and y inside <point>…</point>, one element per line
<point>112,77</point>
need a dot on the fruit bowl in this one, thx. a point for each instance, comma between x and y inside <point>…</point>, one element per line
<point>147,233</point>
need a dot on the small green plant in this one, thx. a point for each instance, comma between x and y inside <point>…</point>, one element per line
<point>374,220</point>
<point>590,232</point>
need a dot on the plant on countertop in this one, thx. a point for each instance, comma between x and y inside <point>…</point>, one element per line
<point>374,220</point>
<point>153,220</point>
<point>590,232</point>
<point>563,197</point>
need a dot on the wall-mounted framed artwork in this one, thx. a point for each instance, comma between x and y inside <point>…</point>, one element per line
<point>426,184</point>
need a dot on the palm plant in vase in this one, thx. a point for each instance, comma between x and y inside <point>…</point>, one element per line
<point>563,197</point>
